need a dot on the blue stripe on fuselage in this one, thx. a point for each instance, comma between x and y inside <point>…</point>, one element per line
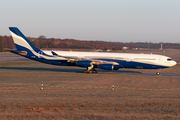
<point>132,64</point>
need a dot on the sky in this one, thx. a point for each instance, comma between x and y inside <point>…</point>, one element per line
<point>105,20</point>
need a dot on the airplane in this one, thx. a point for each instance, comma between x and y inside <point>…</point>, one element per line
<point>88,60</point>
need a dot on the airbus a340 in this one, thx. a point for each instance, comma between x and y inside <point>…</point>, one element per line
<point>88,60</point>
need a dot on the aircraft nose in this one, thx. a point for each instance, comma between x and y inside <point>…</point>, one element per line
<point>174,63</point>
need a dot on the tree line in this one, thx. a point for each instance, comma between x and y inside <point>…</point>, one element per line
<point>48,43</point>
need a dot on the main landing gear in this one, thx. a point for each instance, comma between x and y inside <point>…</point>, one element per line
<point>90,70</point>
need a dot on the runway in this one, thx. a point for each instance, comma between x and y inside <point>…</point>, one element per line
<point>50,70</point>
<point>12,58</point>
<point>151,74</point>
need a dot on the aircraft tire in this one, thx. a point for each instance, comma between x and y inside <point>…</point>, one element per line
<point>158,73</point>
<point>90,71</point>
<point>85,71</point>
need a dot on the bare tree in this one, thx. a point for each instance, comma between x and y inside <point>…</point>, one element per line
<point>1,44</point>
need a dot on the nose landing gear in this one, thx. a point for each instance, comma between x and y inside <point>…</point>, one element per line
<point>158,72</point>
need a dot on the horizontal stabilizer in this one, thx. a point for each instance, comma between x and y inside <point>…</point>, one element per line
<point>24,53</point>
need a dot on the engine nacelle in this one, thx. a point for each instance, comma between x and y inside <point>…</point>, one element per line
<point>106,66</point>
<point>84,63</point>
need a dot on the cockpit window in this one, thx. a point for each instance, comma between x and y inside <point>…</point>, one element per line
<point>169,59</point>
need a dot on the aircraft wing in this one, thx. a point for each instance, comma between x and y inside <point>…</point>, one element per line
<point>95,62</point>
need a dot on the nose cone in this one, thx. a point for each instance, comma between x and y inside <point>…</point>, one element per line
<point>174,63</point>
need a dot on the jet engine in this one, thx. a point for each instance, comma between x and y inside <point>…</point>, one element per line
<point>106,66</point>
<point>84,63</point>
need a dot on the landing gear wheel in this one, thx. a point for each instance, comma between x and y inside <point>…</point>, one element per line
<point>90,71</point>
<point>85,71</point>
<point>158,73</point>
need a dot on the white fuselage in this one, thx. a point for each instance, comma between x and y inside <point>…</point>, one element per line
<point>152,59</point>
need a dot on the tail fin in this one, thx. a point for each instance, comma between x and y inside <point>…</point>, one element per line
<point>21,42</point>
